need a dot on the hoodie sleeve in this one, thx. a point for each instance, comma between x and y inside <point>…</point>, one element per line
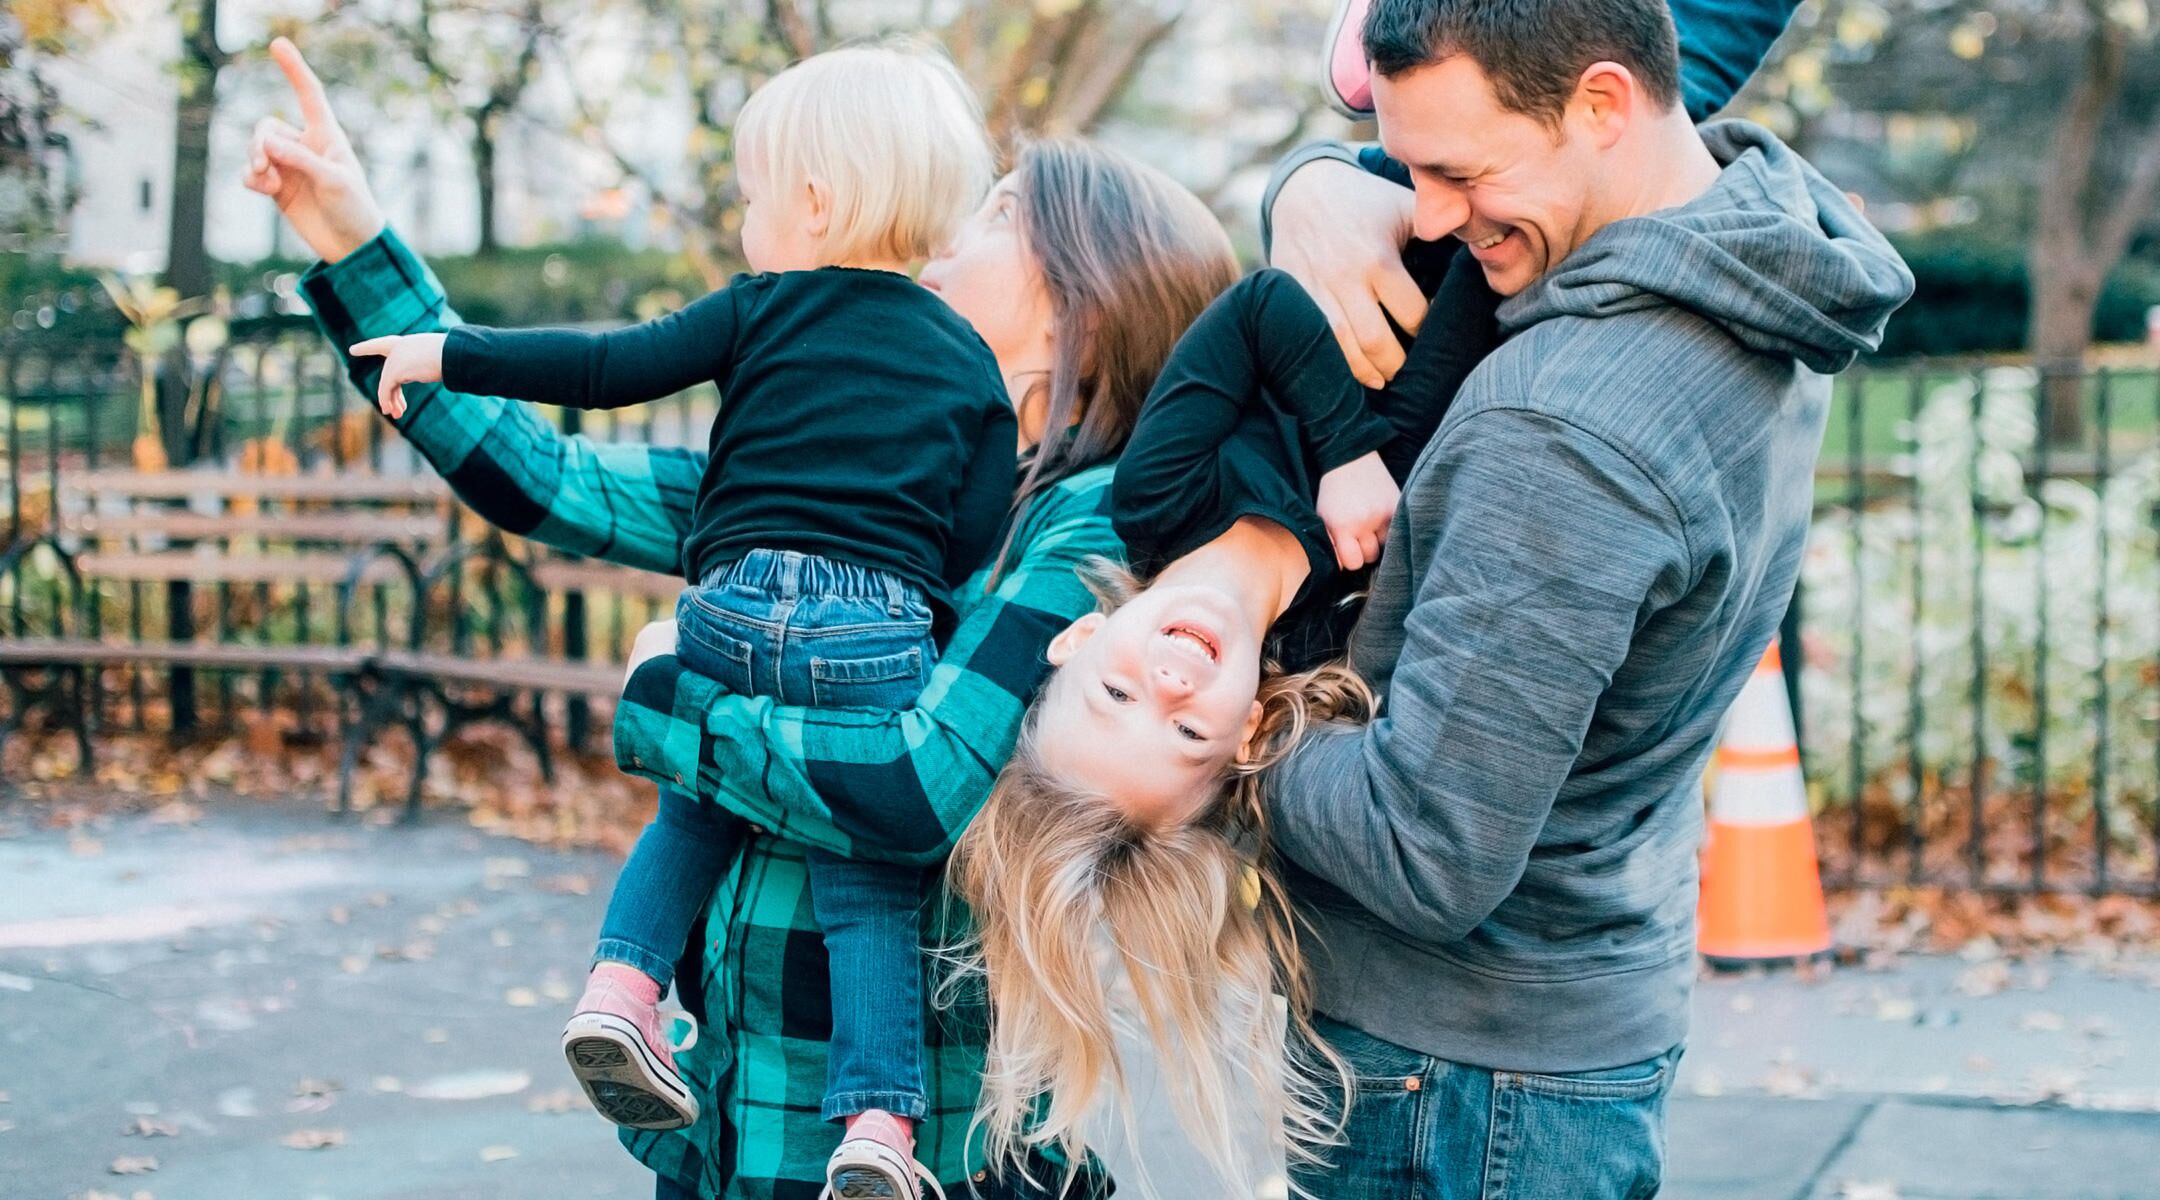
<point>1541,550</point>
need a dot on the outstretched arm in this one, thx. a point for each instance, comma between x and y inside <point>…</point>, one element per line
<point>628,504</point>
<point>894,786</point>
<point>597,369</point>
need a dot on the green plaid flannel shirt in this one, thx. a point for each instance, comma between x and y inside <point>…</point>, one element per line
<point>898,786</point>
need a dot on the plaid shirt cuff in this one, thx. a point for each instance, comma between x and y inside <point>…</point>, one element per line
<point>380,289</point>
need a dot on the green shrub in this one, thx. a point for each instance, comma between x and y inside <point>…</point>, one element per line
<point>1971,297</point>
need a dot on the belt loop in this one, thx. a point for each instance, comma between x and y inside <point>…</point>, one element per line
<point>791,570</point>
<point>895,594</point>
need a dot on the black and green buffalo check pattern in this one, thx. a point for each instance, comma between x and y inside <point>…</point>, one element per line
<point>890,785</point>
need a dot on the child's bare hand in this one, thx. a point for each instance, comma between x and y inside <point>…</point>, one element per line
<point>411,358</point>
<point>1357,500</point>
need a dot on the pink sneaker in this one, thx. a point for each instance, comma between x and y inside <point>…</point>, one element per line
<point>876,1162</point>
<point>620,1055</point>
<point>1346,74</point>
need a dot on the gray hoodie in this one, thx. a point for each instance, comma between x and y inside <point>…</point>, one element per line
<point>1588,560</point>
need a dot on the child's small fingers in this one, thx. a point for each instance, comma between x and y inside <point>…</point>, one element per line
<point>1346,552</point>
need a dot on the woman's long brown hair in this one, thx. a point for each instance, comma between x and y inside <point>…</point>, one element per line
<point>1129,259</point>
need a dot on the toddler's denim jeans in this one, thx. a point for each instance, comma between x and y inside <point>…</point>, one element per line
<point>802,630</point>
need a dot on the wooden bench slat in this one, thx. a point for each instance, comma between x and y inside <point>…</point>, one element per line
<point>45,651</point>
<point>557,575</point>
<point>594,679</point>
<point>179,566</point>
<point>173,485</point>
<point>327,527</point>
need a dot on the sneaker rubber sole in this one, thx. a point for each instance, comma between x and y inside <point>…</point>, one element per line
<point>622,1077</point>
<point>863,1185</point>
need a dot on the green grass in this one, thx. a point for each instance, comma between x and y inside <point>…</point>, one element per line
<point>1887,398</point>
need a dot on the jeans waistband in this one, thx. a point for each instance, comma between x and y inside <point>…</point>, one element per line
<point>790,574</point>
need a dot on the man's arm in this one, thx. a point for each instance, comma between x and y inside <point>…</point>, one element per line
<point>894,786</point>
<point>629,504</point>
<point>1546,550</point>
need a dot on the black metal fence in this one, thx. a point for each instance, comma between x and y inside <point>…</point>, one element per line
<point>1979,615</point>
<point>1980,630</point>
<point>276,405</point>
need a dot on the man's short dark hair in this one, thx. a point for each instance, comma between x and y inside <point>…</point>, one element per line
<point>1533,51</point>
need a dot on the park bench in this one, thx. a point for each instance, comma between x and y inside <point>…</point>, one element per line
<point>493,659</point>
<point>116,534</point>
<point>488,638</point>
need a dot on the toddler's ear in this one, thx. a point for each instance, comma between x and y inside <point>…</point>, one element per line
<point>817,207</point>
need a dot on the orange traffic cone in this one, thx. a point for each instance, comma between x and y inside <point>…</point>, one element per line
<point>1761,894</point>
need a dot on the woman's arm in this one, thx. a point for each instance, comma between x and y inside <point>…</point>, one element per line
<point>597,369</point>
<point>894,786</point>
<point>629,504</point>
<point>1265,332</point>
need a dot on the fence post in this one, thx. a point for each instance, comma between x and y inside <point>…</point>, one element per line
<point>577,713</point>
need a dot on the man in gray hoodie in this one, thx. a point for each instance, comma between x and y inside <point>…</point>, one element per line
<point>1586,564</point>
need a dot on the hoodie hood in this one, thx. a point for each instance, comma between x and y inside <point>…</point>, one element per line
<point>1773,253</point>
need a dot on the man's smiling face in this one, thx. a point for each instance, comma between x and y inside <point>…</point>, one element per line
<point>1511,187</point>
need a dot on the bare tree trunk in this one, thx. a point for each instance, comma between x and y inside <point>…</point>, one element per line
<point>188,260</point>
<point>2086,215</point>
<point>485,127</point>
<point>2065,293</point>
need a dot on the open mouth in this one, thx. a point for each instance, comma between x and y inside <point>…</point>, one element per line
<point>1487,243</point>
<point>1200,639</point>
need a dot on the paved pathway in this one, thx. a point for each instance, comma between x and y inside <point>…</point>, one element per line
<point>213,994</point>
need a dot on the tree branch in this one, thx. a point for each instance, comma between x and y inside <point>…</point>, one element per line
<point>795,33</point>
<point>2134,203</point>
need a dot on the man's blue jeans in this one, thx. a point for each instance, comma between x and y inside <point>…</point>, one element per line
<point>1425,1129</point>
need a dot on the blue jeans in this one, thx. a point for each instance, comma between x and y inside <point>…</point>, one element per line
<point>802,630</point>
<point>1422,1128</point>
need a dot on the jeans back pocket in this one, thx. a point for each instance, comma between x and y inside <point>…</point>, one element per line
<point>871,681</point>
<point>715,643</point>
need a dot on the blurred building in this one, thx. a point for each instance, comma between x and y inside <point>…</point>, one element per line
<point>1230,80</point>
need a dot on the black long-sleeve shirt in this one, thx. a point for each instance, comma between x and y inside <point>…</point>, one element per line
<point>861,418</point>
<point>1256,404</point>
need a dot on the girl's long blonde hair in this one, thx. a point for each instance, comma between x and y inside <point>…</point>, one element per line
<point>1065,894</point>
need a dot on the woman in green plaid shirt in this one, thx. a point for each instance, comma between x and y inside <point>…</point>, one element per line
<point>1080,271</point>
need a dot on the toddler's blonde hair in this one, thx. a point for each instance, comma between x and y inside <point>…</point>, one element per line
<point>891,128</point>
